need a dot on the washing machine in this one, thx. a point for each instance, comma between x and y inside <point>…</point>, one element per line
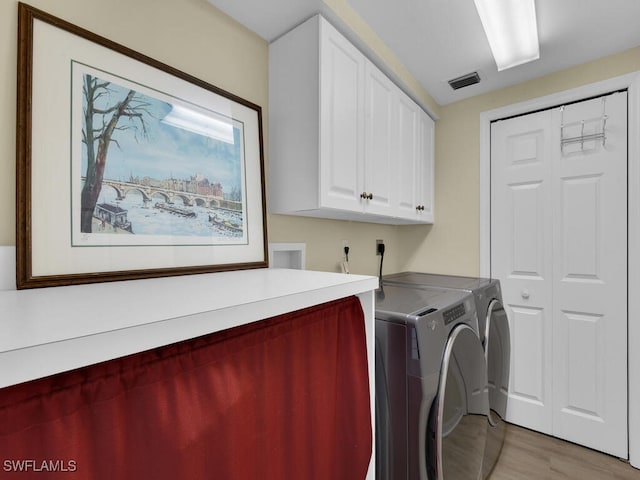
<point>432,403</point>
<point>493,330</point>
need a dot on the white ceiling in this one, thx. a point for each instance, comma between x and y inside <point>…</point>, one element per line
<point>438,40</point>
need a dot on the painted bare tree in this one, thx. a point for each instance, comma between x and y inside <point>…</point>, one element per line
<point>100,125</point>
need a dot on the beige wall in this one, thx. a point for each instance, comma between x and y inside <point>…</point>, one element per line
<point>196,38</point>
<point>452,245</point>
<point>188,34</point>
<point>193,36</point>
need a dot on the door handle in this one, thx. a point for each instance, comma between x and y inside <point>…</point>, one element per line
<point>366,196</point>
<point>525,294</point>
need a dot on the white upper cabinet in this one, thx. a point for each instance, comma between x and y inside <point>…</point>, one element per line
<point>338,133</point>
<point>423,180</point>
<point>379,146</point>
<point>407,159</point>
<point>341,127</point>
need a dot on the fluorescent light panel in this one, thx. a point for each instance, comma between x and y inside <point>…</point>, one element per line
<point>512,30</point>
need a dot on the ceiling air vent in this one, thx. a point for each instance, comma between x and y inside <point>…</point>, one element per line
<point>465,80</point>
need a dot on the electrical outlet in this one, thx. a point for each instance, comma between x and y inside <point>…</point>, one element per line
<point>378,242</point>
<point>345,251</point>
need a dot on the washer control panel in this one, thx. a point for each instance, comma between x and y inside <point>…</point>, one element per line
<point>453,313</point>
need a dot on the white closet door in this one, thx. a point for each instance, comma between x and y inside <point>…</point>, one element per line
<point>559,247</point>
<point>590,277</point>
<point>521,243</point>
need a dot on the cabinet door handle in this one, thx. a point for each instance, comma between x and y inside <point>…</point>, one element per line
<point>366,196</point>
<point>525,294</point>
<point>370,196</point>
<point>420,208</point>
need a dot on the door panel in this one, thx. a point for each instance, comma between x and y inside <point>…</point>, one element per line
<point>590,282</point>
<point>585,357</point>
<point>581,224</point>
<point>559,247</point>
<point>341,116</point>
<point>530,382</point>
<point>407,124</point>
<point>423,183</point>
<point>379,154</point>
<point>527,232</point>
<point>521,238</point>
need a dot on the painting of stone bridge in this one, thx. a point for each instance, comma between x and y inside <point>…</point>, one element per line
<point>169,169</point>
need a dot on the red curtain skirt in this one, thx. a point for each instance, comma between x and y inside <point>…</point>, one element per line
<point>284,398</point>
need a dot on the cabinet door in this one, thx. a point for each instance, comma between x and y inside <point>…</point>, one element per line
<point>424,168</point>
<point>407,152</point>
<point>415,162</point>
<point>379,145</point>
<point>341,127</point>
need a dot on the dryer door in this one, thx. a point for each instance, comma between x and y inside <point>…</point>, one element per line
<point>497,351</point>
<point>458,420</point>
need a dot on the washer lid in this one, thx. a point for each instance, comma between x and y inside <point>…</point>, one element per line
<point>394,302</point>
<point>435,280</point>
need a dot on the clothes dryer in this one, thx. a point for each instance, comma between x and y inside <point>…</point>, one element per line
<point>431,397</point>
<point>494,333</point>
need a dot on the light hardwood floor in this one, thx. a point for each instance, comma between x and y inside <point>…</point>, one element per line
<point>528,455</point>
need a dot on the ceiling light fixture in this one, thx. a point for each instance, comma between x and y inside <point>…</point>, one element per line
<point>512,30</point>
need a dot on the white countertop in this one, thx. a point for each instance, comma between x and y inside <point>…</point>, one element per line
<point>49,330</point>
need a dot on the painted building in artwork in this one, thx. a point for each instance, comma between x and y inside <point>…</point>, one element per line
<point>113,215</point>
<point>197,184</point>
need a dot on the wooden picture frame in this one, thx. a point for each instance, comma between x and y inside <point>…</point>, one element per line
<point>128,168</point>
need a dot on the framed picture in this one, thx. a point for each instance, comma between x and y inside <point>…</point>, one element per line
<point>126,167</point>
